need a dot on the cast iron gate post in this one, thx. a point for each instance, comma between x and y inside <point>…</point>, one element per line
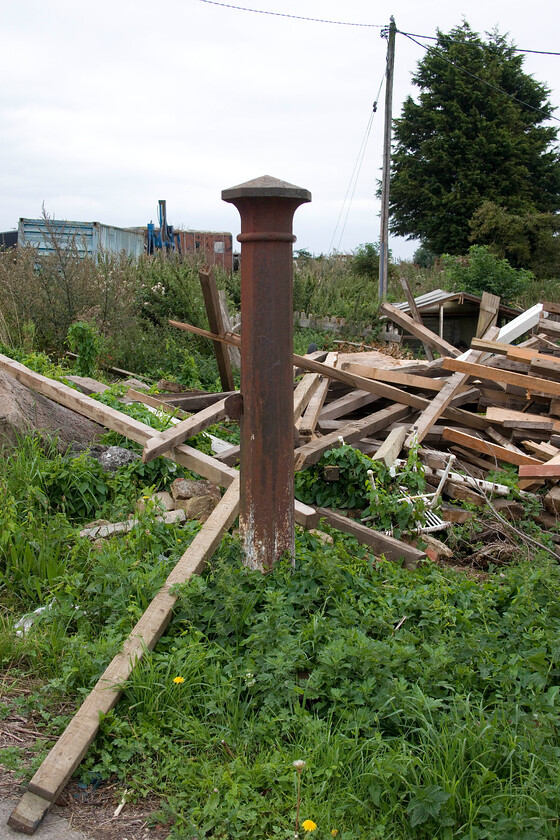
<point>267,206</point>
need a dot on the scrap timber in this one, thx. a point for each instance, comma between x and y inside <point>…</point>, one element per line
<point>508,415</point>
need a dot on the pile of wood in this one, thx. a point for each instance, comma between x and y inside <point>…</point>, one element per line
<point>495,403</point>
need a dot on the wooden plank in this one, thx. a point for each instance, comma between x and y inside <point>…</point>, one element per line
<point>67,753</point>
<point>501,440</point>
<point>549,366</point>
<point>526,354</point>
<point>437,407</point>
<point>527,426</point>
<point>234,354</point>
<point>543,451</point>
<point>305,389</point>
<point>229,456</point>
<point>469,395</point>
<point>216,323</point>
<point>382,544</point>
<point>311,452</point>
<point>541,471</point>
<point>192,403</point>
<point>498,348</point>
<point>308,421</point>
<point>371,386</point>
<point>487,448</point>
<point>347,404</point>
<point>418,330</point>
<point>397,376</point>
<point>415,313</point>
<point>522,380</point>
<point>147,399</point>
<point>552,308</point>
<point>488,313</point>
<point>549,327</point>
<point>184,430</point>
<point>497,414</point>
<point>391,447</point>
<point>186,456</point>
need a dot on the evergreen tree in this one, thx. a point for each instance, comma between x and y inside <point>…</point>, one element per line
<point>477,133</point>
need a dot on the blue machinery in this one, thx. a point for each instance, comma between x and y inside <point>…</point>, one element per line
<point>164,238</point>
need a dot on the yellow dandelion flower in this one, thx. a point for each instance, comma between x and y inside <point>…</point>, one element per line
<point>309,825</point>
<point>179,680</point>
<point>334,832</point>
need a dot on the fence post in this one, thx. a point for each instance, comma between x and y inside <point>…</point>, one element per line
<point>266,206</point>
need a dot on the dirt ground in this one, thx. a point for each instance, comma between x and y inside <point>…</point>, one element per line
<point>87,809</point>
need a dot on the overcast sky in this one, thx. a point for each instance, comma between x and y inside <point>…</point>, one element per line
<point>107,107</point>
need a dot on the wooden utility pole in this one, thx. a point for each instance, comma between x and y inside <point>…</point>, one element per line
<point>384,233</point>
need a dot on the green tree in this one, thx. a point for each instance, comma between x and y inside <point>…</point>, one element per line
<point>481,271</point>
<point>477,132</point>
<point>528,240</point>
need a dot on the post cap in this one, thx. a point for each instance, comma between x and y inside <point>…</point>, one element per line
<point>266,187</point>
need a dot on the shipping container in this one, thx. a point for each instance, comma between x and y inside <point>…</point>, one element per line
<point>215,248</point>
<point>8,239</point>
<point>87,238</point>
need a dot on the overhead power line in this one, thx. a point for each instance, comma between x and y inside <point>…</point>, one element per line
<point>294,17</point>
<point>346,23</point>
<point>353,182</point>
<point>479,79</point>
<point>467,43</point>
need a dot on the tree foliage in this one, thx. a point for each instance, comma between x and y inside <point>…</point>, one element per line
<point>481,271</point>
<point>526,240</point>
<point>477,132</point>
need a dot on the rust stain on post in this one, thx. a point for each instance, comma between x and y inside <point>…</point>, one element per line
<point>267,206</point>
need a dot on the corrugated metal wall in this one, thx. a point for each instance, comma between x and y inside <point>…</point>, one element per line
<point>85,237</point>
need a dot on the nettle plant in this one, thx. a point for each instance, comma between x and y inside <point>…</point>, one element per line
<point>376,493</point>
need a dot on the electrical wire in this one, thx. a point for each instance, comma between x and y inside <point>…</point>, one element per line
<point>483,81</point>
<point>356,171</point>
<point>294,17</point>
<point>467,43</point>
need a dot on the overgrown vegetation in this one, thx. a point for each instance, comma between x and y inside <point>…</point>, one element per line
<point>424,703</point>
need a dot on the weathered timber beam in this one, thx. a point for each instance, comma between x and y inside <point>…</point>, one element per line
<point>215,320</point>
<point>418,330</point>
<point>521,380</point>
<point>382,544</point>
<point>311,452</point>
<point>397,376</point>
<point>372,387</point>
<point>440,404</point>
<point>71,747</point>
<point>169,438</point>
<point>487,448</point>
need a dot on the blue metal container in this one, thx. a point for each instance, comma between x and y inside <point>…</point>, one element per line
<point>85,238</point>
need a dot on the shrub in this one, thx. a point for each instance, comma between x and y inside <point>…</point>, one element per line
<point>481,271</point>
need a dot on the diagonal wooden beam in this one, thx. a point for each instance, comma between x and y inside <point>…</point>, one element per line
<point>522,380</point>
<point>487,448</point>
<point>440,403</point>
<point>418,330</point>
<point>373,387</point>
<point>187,428</point>
<point>415,314</point>
<point>216,323</point>
<point>311,452</point>
<point>57,768</point>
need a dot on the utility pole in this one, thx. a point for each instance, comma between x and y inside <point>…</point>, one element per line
<point>385,179</point>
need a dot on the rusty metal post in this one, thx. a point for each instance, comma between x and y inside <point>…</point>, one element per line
<point>267,206</point>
